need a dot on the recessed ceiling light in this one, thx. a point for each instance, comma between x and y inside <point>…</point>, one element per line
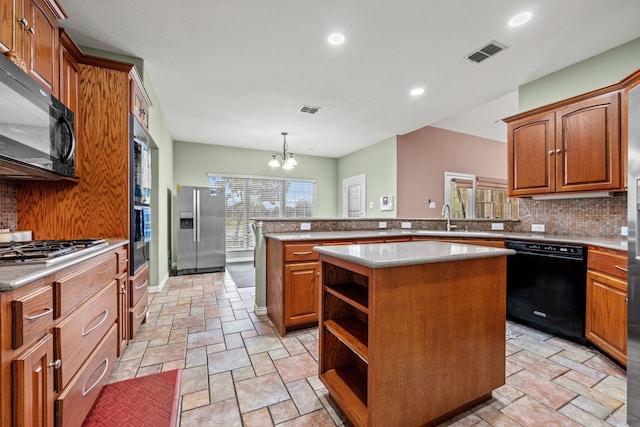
<point>417,91</point>
<point>519,19</point>
<point>336,39</point>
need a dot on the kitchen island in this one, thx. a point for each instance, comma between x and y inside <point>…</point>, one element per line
<point>411,333</point>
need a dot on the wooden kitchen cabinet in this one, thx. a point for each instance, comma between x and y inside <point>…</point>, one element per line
<point>606,313</point>
<point>50,331</point>
<point>567,147</point>
<point>387,362</point>
<point>30,29</point>
<point>301,287</point>
<point>69,88</point>
<point>140,101</point>
<point>33,385</point>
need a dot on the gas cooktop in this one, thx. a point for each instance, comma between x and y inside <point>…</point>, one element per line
<point>45,251</point>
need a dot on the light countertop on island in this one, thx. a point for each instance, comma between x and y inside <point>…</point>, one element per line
<point>383,255</point>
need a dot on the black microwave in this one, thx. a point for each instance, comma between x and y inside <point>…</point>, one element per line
<point>36,130</point>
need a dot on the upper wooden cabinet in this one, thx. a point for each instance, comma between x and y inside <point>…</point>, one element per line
<point>575,147</point>
<point>30,29</point>
<point>140,101</point>
<point>69,89</point>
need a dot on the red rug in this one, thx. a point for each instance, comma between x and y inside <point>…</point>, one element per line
<point>151,401</point>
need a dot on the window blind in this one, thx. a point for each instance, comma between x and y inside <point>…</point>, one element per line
<point>261,197</point>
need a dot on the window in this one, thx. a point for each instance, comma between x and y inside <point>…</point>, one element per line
<point>257,197</point>
<point>469,197</point>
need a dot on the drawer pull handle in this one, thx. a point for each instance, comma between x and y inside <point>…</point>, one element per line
<point>143,312</point>
<point>106,367</point>
<point>619,267</point>
<point>56,364</point>
<point>46,311</point>
<point>94,327</point>
<point>144,284</point>
<point>303,253</point>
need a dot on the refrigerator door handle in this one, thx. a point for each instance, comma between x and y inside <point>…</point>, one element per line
<point>198,215</point>
<point>195,226</point>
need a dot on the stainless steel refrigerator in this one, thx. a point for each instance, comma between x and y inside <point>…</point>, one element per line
<point>201,234</point>
<point>633,200</point>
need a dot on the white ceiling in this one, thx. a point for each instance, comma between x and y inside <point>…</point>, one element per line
<point>235,72</point>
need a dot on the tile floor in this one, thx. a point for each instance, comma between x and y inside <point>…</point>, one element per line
<point>237,371</point>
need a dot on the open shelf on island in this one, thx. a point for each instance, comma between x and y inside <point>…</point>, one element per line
<point>348,386</point>
<point>351,293</point>
<point>351,332</point>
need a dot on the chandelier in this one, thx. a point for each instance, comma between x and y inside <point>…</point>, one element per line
<point>288,162</point>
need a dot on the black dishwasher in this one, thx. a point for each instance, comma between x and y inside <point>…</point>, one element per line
<point>546,287</point>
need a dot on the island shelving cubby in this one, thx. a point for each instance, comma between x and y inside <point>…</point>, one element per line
<point>410,345</point>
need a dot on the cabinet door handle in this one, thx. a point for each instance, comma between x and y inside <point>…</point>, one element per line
<point>143,284</point>
<point>106,368</point>
<point>303,253</point>
<point>558,151</point>
<point>31,30</point>
<point>550,152</point>
<point>93,328</point>
<point>619,267</point>
<point>143,312</point>
<point>46,311</point>
<point>56,364</point>
<point>23,21</point>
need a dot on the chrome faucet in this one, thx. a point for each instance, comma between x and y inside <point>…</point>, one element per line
<point>446,213</point>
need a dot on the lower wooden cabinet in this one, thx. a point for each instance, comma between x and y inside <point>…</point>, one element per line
<point>606,314</point>
<point>59,341</point>
<point>301,284</point>
<point>33,390</point>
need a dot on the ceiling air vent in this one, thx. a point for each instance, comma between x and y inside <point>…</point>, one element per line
<point>485,52</point>
<point>309,109</point>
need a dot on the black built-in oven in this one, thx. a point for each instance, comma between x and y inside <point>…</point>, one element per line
<point>546,287</point>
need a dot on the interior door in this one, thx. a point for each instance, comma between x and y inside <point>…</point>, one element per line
<point>354,197</point>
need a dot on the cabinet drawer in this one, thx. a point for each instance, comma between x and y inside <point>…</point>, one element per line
<point>123,260</point>
<point>77,335</point>
<point>74,289</point>
<point>608,261</point>
<point>138,313</point>
<point>32,314</point>
<point>139,284</point>
<point>300,252</point>
<point>76,400</point>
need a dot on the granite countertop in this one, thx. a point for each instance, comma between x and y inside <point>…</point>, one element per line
<point>611,243</point>
<point>385,255</point>
<point>15,276</point>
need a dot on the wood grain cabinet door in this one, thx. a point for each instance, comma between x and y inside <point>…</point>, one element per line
<point>33,390</point>
<point>41,45</point>
<point>301,290</point>
<point>606,319</point>
<point>588,145</point>
<point>531,155</point>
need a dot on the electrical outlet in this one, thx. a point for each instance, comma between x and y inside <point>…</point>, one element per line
<point>382,224</point>
<point>624,231</point>
<point>405,225</point>
<point>497,226</point>
<point>537,227</point>
<point>305,226</point>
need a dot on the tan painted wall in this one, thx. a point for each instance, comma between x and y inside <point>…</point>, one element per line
<point>425,154</point>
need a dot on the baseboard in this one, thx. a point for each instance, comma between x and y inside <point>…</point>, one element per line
<point>260,311</point>
<point>161,284</point>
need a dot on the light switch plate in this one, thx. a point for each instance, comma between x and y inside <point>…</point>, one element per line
<point>537,227</point>
<point>497,226</point>
<point>405,225</point>
<point>624,231</point>
<point>305,226</point>
<point>382,224</point>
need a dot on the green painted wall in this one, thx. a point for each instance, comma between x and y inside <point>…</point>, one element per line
<point>593,73</point>
<point>378,163</point>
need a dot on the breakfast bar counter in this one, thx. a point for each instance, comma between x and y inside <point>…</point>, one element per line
<point>411,333</point>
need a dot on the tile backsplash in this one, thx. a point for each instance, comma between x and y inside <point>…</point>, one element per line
<point>589,217</point>
<point>8,205</point>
